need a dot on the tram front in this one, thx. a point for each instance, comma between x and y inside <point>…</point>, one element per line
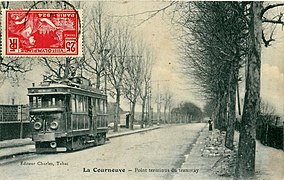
<point>48,115</point>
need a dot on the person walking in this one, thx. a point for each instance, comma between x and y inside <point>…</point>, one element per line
<point>210,125</point>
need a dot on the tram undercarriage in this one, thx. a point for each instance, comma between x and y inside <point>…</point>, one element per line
<point>74,143</point>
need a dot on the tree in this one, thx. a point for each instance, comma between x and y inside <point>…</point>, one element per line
<point>246,155</point>
<point>60,67</point>
<point>13,68</point>
<point>116,65</point>
<point>98,44</point>
<point>256,17</point>
<point>148,61</point>
<point>167,98</point>
<point>133,82</point>
<point>214,50</point>
<point>188,111</point>
<point>63,68</point>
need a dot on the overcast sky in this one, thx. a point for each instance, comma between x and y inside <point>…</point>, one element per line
<point>159,33</point>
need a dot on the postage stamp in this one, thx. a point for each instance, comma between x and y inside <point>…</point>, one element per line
<point>41,32</point>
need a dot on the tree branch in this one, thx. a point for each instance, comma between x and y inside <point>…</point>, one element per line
<point>264,10</point>
<point>273,21</point>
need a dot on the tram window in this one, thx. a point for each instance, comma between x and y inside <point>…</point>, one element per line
<point>87,123</point>
<point>53,102</point>
<point>46,101</point>
<point>79,103</point>
<point>104,107</point>
<point>81,122</point>
<point>98,105</point>
<point>39,101</point>
<point>99,121</point>
<point>59,102</point>
<point>75,122</point>
<point>102,122</point>
<point>34,102</point>
<point>105,122</point>
<point>94,104</point>
<point>85,104</point>
<point>73,103</point>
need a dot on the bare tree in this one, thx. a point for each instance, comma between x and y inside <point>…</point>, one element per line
<point>13,68</point>
<point>134,77</point>
<point>214,51</point>
<point>61,68</point>
<point>98,43</point>
<point>256,17</point>
<point>116,66</point>
<point>148,60</point>
<point>168,100</point>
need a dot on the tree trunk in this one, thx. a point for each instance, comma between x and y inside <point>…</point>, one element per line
<point>143,112</point>
<point>98,81</point>
<point>222,112</point>
<point>117,111</point>
<point>246,155</point>
<point>170,115</point>
<point>216,113</point>
<point>67,68</point>
<point>132,115</point>
<point>231,113</point>
<point>165,113</point>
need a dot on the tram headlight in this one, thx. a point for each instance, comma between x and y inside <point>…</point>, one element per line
<point>54,125</point>
<point>37,125</point>
<point>53,144</point>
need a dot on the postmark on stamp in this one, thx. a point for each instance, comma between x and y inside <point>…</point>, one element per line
<point>41,32</point>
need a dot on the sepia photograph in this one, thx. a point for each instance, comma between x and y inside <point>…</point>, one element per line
<point>146,89</point>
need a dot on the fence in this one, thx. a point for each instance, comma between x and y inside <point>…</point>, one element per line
<point>14,122</point>
<point>270,131</point>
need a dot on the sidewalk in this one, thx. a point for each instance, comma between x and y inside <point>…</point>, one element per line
<point>14,147</point>
<point>206,159</point>
<point>198,162</point>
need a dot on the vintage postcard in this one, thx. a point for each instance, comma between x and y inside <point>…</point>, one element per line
<point>158,90</point>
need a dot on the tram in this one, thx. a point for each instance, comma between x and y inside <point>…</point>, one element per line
<point>67,115</point>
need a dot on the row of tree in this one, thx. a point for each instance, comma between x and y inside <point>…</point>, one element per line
<point>113,58</point>
<point>187,112</point>
<point>220,40</point>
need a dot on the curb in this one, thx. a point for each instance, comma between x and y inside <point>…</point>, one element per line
<point>132,132</point>
<point>32,151</point>
<point>18,145</point>
<point>16,154</point>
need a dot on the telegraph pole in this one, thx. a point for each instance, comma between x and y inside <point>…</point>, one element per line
<point>159,102</point>
<point>159,99</point>
<point>150,118</point>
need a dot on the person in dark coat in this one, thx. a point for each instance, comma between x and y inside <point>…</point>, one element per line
<point>210,125</point>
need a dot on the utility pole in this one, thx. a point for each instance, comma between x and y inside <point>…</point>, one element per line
<point>104,57</point>
<point>158,103</point>
<point>159,99</point>
<point>148,105</point>
<point>21,118</point>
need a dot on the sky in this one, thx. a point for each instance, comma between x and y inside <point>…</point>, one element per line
<point>160,34</point>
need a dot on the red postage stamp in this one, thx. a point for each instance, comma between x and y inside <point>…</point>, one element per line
<point>41,32</point>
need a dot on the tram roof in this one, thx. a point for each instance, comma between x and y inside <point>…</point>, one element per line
<point>74,90</point>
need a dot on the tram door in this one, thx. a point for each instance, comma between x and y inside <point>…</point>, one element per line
<point>91,113</point>
<point>94,115</point>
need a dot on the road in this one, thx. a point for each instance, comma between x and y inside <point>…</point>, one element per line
<point>148,155</point>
